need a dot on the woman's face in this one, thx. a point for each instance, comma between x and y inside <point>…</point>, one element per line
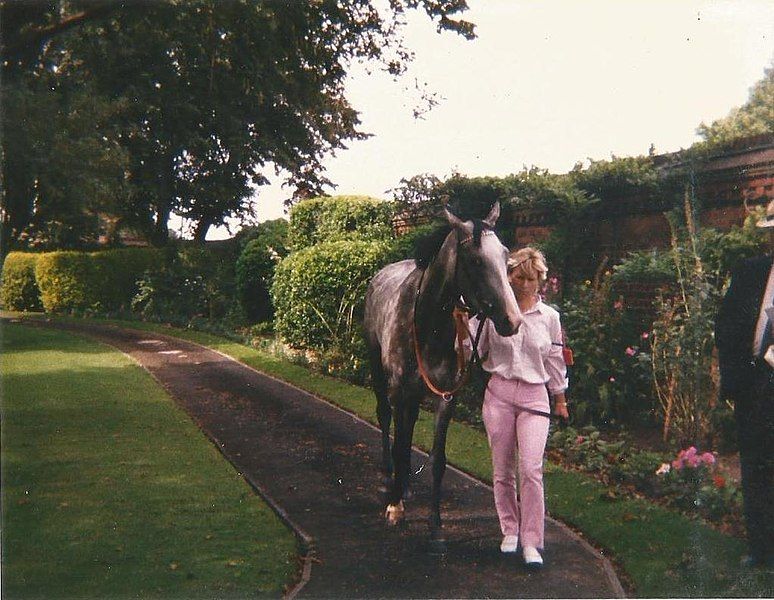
<point>524,285</point>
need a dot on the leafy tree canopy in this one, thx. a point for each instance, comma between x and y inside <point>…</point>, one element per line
<point>207,97</point>
<point>754,117</point>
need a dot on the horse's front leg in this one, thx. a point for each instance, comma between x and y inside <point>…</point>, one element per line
<point>443,414</point>
<point>384,414</point>
<point>383,410</point>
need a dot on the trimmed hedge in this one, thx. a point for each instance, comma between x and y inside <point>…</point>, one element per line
<point>339,217</point>
<point>318,292</point>
<point>98,281</point>
<point>18,287</point>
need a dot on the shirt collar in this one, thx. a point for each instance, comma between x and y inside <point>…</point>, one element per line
<point>538,307</point>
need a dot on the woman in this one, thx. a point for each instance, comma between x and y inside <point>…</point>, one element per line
<point>525,368</point>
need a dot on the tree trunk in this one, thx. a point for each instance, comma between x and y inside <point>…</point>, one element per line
<point>200,233</point>
<point>160,234</point>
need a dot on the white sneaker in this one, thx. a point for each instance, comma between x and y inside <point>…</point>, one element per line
<point>532,557</point>
<point>509,543</point>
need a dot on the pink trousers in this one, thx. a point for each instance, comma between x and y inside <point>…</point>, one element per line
<point>510,429</point>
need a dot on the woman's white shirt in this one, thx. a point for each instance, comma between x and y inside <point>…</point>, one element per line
<point>533,355</point>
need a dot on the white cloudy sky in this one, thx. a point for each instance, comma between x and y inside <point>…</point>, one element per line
<point>550,83</point>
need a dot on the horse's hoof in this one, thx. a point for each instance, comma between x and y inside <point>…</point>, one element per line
<point>394,513</point>
<point>438,546</point>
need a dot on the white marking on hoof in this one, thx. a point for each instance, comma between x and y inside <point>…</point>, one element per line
<point>394,513</point>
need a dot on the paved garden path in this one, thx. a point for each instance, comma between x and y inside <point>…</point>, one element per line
<point>317,465</point>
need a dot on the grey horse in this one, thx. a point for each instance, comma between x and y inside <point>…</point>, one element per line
<point>408,321</point>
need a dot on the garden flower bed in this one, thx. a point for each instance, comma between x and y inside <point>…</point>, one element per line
<point>691,481</point>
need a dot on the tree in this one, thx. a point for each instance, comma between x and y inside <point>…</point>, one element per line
<point>27,26</point>
<point>215,94</point>
<point>754,117</point>
<point>60,171</point>
<point>272,234</point>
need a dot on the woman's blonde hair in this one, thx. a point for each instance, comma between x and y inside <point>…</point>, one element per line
<point>529,260</point>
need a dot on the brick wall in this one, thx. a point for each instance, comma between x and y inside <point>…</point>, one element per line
<point>742,175</point>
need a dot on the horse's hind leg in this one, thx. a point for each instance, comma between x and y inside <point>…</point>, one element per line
<point>443,415</point>
<point>383,413</point>
<point>405,417</point>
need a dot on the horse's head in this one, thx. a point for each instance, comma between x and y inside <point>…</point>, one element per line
<point>481,271</point>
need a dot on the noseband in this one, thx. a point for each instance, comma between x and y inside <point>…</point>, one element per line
<point>470,238</point>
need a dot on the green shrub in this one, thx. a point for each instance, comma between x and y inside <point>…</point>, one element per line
<point>175,293</point>
<point>610,382</point>
<point>95,281</point>
<point>214,265</point>
<point>645,266</point>
<point>18,287</point>
<point>273,234</point>
<point>254,273</point>
<point>68,281</point>
<point>118,272</point>
<point>318,295</point>
<point>339,217</point>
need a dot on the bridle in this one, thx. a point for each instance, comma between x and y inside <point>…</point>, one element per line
<point>462,368</point>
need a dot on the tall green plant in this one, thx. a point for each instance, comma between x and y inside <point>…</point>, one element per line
<point>609,382</point>
<point>682,340</point>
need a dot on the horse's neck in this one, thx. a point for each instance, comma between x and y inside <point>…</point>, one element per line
<point>438,294</point>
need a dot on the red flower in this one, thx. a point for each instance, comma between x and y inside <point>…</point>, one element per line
<point>719,481</point>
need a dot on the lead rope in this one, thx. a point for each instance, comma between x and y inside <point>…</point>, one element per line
<point>447,395</point>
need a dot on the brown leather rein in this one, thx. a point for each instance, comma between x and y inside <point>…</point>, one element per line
<point>462,331</point>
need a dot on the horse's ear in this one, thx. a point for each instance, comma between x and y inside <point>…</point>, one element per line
<point>453,219</point>
<point>493,215</point>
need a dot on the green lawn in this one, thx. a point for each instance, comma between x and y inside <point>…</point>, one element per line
<point>109,490</point>
<point>658,552</point>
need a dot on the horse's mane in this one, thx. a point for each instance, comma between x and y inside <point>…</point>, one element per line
<point>427,246</point>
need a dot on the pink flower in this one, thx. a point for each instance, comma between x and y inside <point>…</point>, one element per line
<point>579,439</point>
<point>690,457</point>
<point>630,351</point>
<point>612,380</point>
<point>692,461</point>
<point>618,304</point>
<point>645,335</point>
<point>708,458</point>
<point>553,284</point>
